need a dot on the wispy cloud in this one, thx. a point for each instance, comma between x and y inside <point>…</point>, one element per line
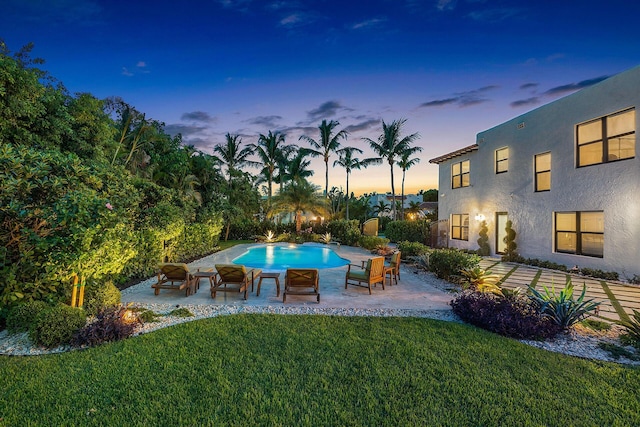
<point>240,5</point>
<point>369,23</point>
<point>185,130</point>
<point>362,126</point>
<point>571,87</point>
<point>529,86</point>
<point>446,4</point>
<point>298,19</point>
<point>198,116</point>
<point>495,14</point>
<point>526,102</point>
<point>266,121</point>
<point>139,68</point>
<point>126,72</point>
<point>463,99</point>
<point>326,110</point>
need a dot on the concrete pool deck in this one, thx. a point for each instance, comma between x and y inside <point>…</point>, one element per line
<point>413,292</point>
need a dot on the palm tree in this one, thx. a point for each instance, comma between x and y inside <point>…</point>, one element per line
<point>406,163</point>
<point>389,146</point>
<point>381,208</point>
<point>349,163</point>
<point>299,196</point>
<point>270,148</point>
<point>232,156</point>
<point>297,168</point>
<point>328,143</point>
<point>414,209</point>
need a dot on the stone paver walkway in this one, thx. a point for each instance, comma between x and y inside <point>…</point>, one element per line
<point>617,300</point>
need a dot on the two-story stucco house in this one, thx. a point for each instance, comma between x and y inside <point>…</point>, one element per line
<point>566,174</point>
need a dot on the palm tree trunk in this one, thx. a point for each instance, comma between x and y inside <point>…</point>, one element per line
<point>347,196</point>
<point>326,177</point>
<point>402,210</point>
<point>298,221</point>
<point>393,194</point>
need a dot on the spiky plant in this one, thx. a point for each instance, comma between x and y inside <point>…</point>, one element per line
<point>562,308</point>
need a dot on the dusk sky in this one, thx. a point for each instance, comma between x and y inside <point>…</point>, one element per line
<point>451,68</point>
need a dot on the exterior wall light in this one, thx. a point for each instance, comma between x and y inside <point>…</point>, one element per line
<point>479,217</point>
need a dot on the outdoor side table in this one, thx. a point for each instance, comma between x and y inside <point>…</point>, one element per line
<point>210,274</point>
<point>275,276</point>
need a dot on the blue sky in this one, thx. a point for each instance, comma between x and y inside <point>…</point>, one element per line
<point>452,68</point>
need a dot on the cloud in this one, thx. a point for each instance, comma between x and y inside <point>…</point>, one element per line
<point>463,99</point>
<point>571,87</point>
<point>126,72</point>
<point>266,121</point>
<point>298,19</point>
<point>365,125</point>
<point>525,102</point>
<point>446,4</point>
<point>185,130</point>
<point>494,15</point>
<point>199,116</point>
<point>240,5</point>
<point>528,86</point>
<point>369,23</point>
<point>327,109</point>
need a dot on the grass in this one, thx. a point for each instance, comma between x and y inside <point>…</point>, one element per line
<point>316,370</point>
<point>230,243</point>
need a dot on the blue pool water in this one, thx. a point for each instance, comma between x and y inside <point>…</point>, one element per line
<point>272,257</point>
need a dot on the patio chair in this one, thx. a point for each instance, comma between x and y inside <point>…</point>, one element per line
<point>174,276</point>
<point>393,268</point>
<point>233,274</point>
<point>372,273</point>
<point>301,281</point>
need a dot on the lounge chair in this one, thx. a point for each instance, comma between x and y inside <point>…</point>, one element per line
<point>393,268</point>
<point>301,281</point>
<point>237,275</point>
<point>174,276</point>
<point>371,274</point>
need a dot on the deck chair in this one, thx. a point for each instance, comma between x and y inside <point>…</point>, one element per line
<point>301,281</point>
<point>371,274</point>
<point>237,275</point>
<point>393,268</point>
<point>174,276</point>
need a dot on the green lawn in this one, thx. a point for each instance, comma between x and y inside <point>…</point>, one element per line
<point>316,370</point>
<point>230,243</point>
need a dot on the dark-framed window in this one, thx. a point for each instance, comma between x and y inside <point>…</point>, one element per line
<point>607,139</point>
<point>502,160</point>
<point>460,226</point>
<point>580,233</point>
<point>542,167</point>
<point>460,174</point>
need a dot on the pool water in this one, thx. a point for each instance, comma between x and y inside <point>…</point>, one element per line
<point>272,257</point>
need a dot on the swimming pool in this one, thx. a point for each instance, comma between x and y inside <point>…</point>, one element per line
<point>276,257</point>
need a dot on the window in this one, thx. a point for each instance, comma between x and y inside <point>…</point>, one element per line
<point>580,233</point>
<point>542,164</point>
<point>460,226</point>
<point>502,160</point>
<point>607,139</point>
<point>460,174</point>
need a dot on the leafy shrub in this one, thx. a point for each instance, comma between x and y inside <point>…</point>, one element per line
<point>483,240</point>
<point>449,262</point>
<point>412,231</point>
<point>181,312</point>
<point>596,325</point>
<point>480,280</point>
<point>632,327</point>
<point>99,296</point>
<point>617,351</point>
<point>372,242</point>
<point>510,252</point>
<point>562,308</point>
<point>148,316</point>
<point>21,317</point>
<point>345,232</point>
<point>421,261</point>
<point>545,264</point>
<point>57,325</point>
<point>511,317</point>
<point>110,324</point>
<point>410,249</point>
<point>600,274</point>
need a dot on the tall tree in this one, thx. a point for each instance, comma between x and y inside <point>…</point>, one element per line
<point>405,163</point>
<point>298,168</point>
<point>349,163</point>
<point>380,208</point>
<point>329,142</point>
<point>270,149</point>
<point>300,196</point>
<point>391,145</point>
<point>234,157</point>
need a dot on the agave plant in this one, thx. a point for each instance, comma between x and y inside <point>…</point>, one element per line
<point>481,280</point>
<point>269,237</point>
<point>633,326</point>
<point>326,238</point>
<point>562,308</point>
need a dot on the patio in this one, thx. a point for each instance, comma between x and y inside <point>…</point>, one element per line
<point>414,291</point>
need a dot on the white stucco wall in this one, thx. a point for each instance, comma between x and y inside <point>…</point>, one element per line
<point>610,187</point>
